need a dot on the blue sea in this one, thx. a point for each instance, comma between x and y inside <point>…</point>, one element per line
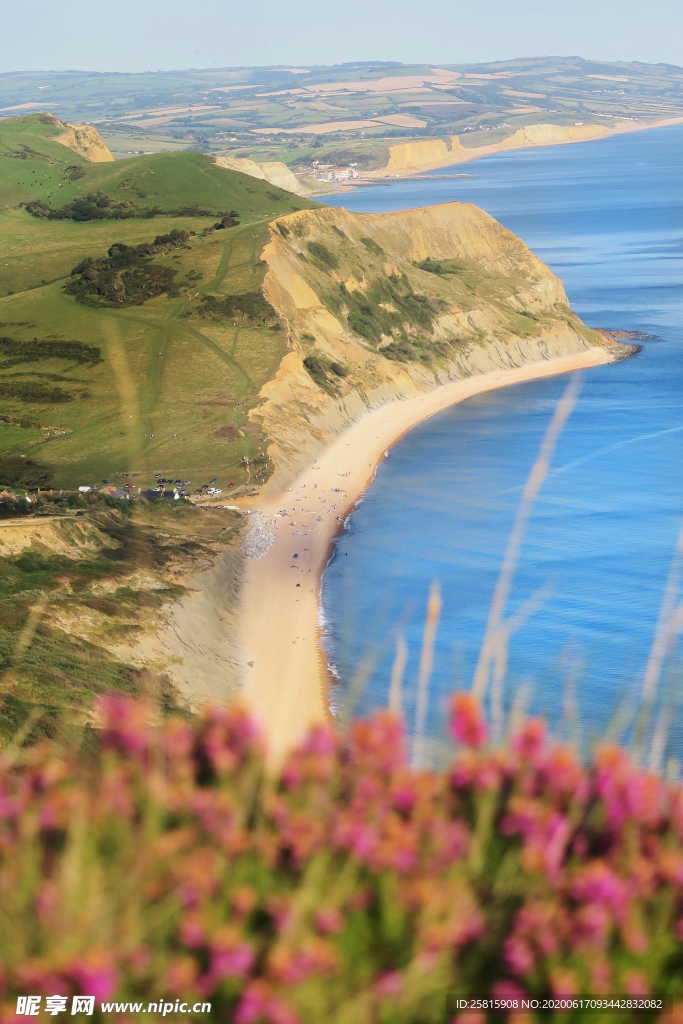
<point>607,217</point>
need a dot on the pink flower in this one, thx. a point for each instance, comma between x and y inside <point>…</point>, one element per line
<point>361,840</point>
<point>404,796</point>
<point>253,1006</point>
<point>597,883</point>
<point>518,955</point>
<point>321,740</point>
<point>378,742</point>
<point>233,962</point>
<point>529,742</point>
<point>635,983</point>
<point>508,989</point>
<point>327,921</point>
<point>226,738</point>
<point>560,772</point>
<point>191,933</point>
<point>591,923</point>
<point>389,984</point>
<point>94,976</point>
<point>467,724</point>
<point>556,836</point>
<point>125,724</point>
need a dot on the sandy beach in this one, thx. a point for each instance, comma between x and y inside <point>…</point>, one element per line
<point>289,541</point>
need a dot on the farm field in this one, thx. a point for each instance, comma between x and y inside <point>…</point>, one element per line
<point>345,114</point>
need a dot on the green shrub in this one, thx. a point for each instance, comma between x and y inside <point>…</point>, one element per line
<point>99,206</point>
<point>18,472</point>
<point>322,256</point>
<point>369,318</point>
<point>34,391</point>
<point>251,307</point>
<point>372,246</point>
<point>13,352</point>
<point>323,371</point>
<point>440,267</point>
<point>126,276</point>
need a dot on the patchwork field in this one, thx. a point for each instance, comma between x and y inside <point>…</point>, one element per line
<point>344,114</point>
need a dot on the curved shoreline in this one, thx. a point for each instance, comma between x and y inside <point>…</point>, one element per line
<point>460,156</point>
<point>285,669</point>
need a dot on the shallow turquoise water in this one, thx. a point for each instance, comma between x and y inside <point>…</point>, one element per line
<point>608,218</point>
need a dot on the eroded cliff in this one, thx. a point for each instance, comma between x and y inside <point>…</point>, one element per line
<point>382,306</point>
<point>427,154</point>
<point>274,172</point>
<point>84,140</point>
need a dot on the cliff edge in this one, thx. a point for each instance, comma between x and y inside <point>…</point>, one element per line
<point>84,140</point>
<point>428,154</point>
<point>383,306</point>
<point>274,172</point>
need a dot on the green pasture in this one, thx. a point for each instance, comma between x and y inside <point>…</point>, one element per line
<point>174,383</point>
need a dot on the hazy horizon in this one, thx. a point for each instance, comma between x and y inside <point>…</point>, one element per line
<point>162,35</point>
<point>338,64</point>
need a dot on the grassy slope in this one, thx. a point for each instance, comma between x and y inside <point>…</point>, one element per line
<point>65,619</point>
<point>169,378</point>
<point>171,393</point>
<point>32,163</point>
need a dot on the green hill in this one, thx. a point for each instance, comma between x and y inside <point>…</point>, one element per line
<point>36,166</point>
<point>157,370</point>
<point>32,162</point>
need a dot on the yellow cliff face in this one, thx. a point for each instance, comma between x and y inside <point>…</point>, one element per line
<point>380,306</point>
<point>274,172</point>
<point>86,141</point>
<point>427,154</point>
<point>422,153</point>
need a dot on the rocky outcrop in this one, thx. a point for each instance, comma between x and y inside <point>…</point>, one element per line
<point>494,305</point>
<point>84,140</point>
<point>274,172</point>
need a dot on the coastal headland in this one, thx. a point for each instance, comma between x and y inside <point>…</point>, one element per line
<point>325,447</point>
<point>246,337</point>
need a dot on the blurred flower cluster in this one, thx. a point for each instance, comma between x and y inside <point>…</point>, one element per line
<point>164,861</point>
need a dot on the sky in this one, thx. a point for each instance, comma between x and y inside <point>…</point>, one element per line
<point>143,35</point>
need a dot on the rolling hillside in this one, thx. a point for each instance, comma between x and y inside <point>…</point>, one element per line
<point>162,378</point>
<point>349,113</point>
<point>147,360</point>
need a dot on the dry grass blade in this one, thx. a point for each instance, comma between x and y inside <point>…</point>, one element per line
<point>538,473</point>
<point>507,630</point>
<point>668,624</point>
<point>426,662</point>
<point>397,673</point>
